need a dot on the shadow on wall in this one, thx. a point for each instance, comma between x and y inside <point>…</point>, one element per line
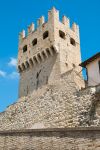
<point>38,76</point>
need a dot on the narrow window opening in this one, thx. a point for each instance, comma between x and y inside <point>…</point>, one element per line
<point>37,77</point>
<point>24,48</point>
<point>38,73</point>
<point>27,90</point>
<point>72,41</point>
<point>62,34</point>
<point>87,73</point>
<point>99,66</point>
<point>45,34</point>
<point>47,80</point>
<point>34,42</point>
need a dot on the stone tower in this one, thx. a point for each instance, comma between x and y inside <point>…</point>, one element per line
<point>47,52</point>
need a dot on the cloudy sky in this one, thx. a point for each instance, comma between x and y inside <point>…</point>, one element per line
<point>16,15</point>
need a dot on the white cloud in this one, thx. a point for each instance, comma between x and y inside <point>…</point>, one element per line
<point>10,75</point>
<point>2,73</point>
<point>13,62</point>
<point>14,75</point>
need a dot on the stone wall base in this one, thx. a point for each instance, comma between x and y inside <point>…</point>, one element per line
<point>51,139</point>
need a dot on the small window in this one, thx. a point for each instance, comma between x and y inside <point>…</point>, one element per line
<point>24,48</point>
<point>34,42</point>
<point>72,41</point>
<point>62,34</point>
<point>99,66</point>
<point>27,90</point>
<point>45,34</point>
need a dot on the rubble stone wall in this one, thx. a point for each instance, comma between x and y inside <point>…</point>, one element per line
<point>58,105</point>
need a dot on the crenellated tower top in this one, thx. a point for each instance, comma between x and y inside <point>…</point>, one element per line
<point>52,14</point>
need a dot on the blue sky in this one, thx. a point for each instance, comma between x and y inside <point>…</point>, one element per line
<point>16,15</point>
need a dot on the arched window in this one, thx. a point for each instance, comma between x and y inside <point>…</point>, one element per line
<point>62,34</point>
<point>34,42</point>
<point>45,34</point>
<point>72,41</point>
<point>24,48</point>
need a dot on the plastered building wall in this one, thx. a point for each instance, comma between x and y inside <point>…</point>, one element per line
<point>93,73</point>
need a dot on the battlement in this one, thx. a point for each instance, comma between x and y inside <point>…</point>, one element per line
<point>53,13</point>
<point>37,59</point>
<point>33,45</point>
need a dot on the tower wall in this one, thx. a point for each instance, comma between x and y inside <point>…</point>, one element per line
<point>38,76</point>
<point>39,64</point>
<point>47,52</point>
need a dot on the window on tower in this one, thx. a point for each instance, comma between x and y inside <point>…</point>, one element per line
<point>99,66</point>
<point>62,34</point>
<point>45,34</point>
<point>24,48</point>
<point>72,41</point>
<point>34,42</point>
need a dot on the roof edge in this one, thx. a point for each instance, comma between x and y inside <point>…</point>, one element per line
<point>84,63</point>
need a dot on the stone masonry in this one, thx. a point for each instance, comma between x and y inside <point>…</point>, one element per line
<point>55,110</point>
<point>57,105</point>
<point>47,52</point>
<point>54,139</point>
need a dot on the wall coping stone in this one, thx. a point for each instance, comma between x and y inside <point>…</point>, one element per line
<point>26,131</point>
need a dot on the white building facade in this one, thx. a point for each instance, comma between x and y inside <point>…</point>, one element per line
<point>92,66</point>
